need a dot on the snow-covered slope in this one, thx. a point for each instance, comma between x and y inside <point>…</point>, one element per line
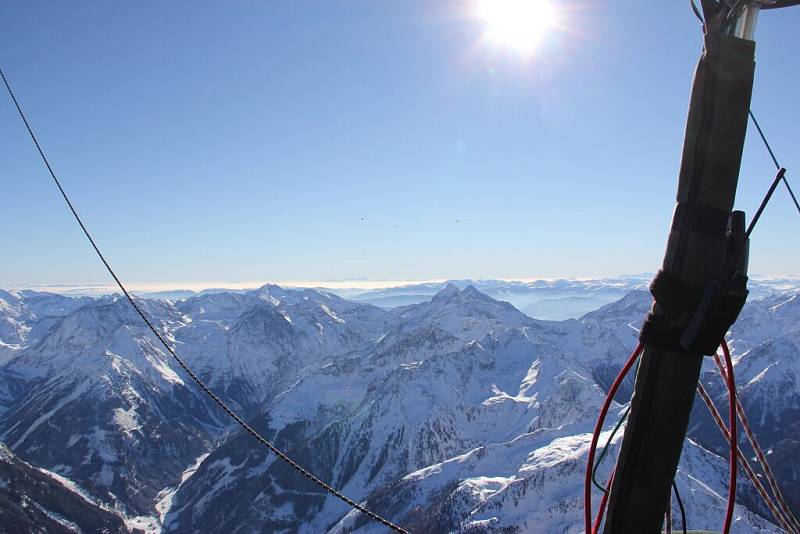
<point>474,411</point>
<point>368,428</point>
<point>485,436</point>
<point>33,500</point>
<point>252,346</point>
<point>534,484</point>
<point>467,314</point>
<point>99,400</point>
<point>26,316</point>
<point>765,342</point>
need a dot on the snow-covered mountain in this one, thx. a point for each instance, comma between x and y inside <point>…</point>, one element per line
<point>98,401</point>
<point>555,299</point>
<point>254,345</point>
<point>34,500</point>
<point>26,316</point>
<point>544,299</point>
<point>456,413</point>
<point>510,393</point>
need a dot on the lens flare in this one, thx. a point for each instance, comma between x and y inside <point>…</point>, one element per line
<point>516,24</point>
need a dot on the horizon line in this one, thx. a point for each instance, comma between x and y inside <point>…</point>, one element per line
<point>348,284</point>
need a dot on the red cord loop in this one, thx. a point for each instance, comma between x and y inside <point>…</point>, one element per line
<point>587,486</point>
<point>594,527</point>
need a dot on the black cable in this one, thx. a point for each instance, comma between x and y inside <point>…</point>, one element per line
<point>774,160</point>
<point>603,453</point>
<point>778,177</point>
<point>680,505</point>
<point>622,419</point>
<point>697,12</point>
<point>250,430</point>
<point>764,139</point>
<point>619,424</point>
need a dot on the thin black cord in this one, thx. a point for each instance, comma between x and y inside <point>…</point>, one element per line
<point>774,160</point>
<point>603,453</point>
<point>616,428</point>
<point>622,419</point>
<point>250,430</point>
<point>680,505</point>
<point>697,13</point>
<point>763,138</point>
<point>778,177</point>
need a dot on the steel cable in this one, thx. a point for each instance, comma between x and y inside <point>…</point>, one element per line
<point>233,415</point>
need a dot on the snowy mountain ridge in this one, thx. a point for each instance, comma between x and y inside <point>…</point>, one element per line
<point>474,413</point>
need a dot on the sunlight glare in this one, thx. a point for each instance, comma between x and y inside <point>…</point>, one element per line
<point>517,24</point>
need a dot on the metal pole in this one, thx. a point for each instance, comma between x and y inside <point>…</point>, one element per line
<point>666,381</point>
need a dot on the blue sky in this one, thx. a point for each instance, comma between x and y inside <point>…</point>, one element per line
<point>380,140</point>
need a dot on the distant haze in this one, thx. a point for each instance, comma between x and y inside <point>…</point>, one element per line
<point>549,299</point>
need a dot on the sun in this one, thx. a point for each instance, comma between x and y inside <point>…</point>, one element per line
<point>516,24</point>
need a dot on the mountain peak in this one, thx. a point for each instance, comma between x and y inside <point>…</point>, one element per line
<point>464,313</point>
<point>267,289</point>
<point>470,290</point>
<point>451,293</point>
<point>447,292</point>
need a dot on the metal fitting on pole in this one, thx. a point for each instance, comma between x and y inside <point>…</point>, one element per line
<point>745,26</point>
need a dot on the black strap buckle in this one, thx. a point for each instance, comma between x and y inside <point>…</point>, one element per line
<point>711,313</point>
<point>717,311</point>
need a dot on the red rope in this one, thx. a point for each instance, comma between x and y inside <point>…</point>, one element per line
<point>587,485</point>
<point>786,512</point>
<point>743,459</point>
<point>593,528</point>
<point>603,502</point>
<point>733,438</point>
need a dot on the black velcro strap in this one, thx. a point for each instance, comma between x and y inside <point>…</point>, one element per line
<point>711,318</point>
<point>673,294</point>
<point>657,332</point>
<point>705,219</point>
